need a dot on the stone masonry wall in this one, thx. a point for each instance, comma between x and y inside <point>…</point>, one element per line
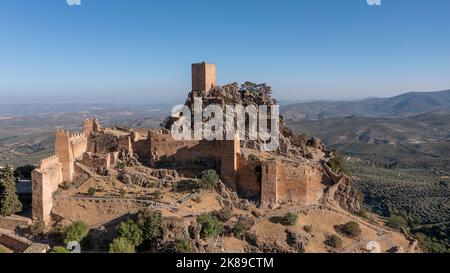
<point>249,177</point>
<point>194,156</point>
<point>299,183</point>
<point>45,181</point>
<point>291,182</point>
<point>68,148</point>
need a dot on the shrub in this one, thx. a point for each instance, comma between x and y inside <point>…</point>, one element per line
<point>37,228</point>
<point>198,199</point>
<point>333,241</point>
<point>150,222</point>
<point>364,213</point>
<point>120,165</point>
<point>122,192</point>
<point>75,232</point>
<point>157,195</point>
<point>307,228</point>
<point>59,249</point>
<point>351,229</point>
<point>239,230</point>
<point>397,222</point>
<point>130,231</point>
<point>211,225</point>
<point>181,246</point>
<point>289,219</point>
<point>224,214</point>
<point>121,245</point>
<point>337,164</point>
<point>92,191</point>
<point>209,179</point>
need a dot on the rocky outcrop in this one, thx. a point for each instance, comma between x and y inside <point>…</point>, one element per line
<point>348,198</point>
<point>265,246</point>
<point>298,241</point>
<point>316,143</point>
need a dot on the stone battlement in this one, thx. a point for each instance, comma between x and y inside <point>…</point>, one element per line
<point>49,162</point>
<point>62,133</point>
<point>76,135</point>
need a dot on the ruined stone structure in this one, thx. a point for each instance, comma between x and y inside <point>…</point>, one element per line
<point>55,170</point>
<point>290,175</point>
<point>46,180</point>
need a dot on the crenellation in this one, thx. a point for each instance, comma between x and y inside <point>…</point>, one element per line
<point>49,161</point>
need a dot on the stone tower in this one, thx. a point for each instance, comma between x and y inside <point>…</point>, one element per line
<point>203,77</point>
<point>64,153</point>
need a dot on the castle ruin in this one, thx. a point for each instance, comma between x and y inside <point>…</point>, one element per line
<point>294,174</point>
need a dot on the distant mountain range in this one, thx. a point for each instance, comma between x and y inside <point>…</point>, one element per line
<point>405,105</point>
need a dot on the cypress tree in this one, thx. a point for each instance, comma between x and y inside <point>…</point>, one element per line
<point>9,201</point>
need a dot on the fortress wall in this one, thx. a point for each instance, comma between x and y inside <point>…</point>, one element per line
<point>141,148</point>
<point>78,144</point>
<point>269,179</point>
<point>196,155</point>
<point>227,152</point>
<point>124,143</point>
<point>299,183</point>
<point>45,181</point>
<point>64,152</point>
<point>249,177</point>
<point>89,126</point>
<point>68,148</point>
<point>113,158</point>
<point>102,142</point>
<point>96,161</point>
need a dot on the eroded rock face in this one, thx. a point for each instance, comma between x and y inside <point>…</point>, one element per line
<point>348,198</point>
<point>316,143</point>
<point>172,229</point>
<point>298,241</point>
<point>264,246</point>
<point>229,199</point>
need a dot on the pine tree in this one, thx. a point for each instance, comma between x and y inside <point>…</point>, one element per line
<point>9,201</point>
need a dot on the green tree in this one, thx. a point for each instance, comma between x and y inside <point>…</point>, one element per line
<point>211,225</point>
<point>150,222</point>
<point>158,195</point>
<point>239,230</point>
<point>91,191</point>
<point>121,245</point>
<point>351,229</point>
<point>289,219</point>
<point>397,222</point>
<point>209,179</point>
<point>9,201</point>
<point>337,163</point>
<point>75,232</point>
<point>130,231</point>
<point>24,171</point>
<point>181,246</point>
<point>333,241</point>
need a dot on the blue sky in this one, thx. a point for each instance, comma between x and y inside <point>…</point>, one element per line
<point>140,51</point>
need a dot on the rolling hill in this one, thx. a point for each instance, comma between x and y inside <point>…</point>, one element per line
<point>404,105</point>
